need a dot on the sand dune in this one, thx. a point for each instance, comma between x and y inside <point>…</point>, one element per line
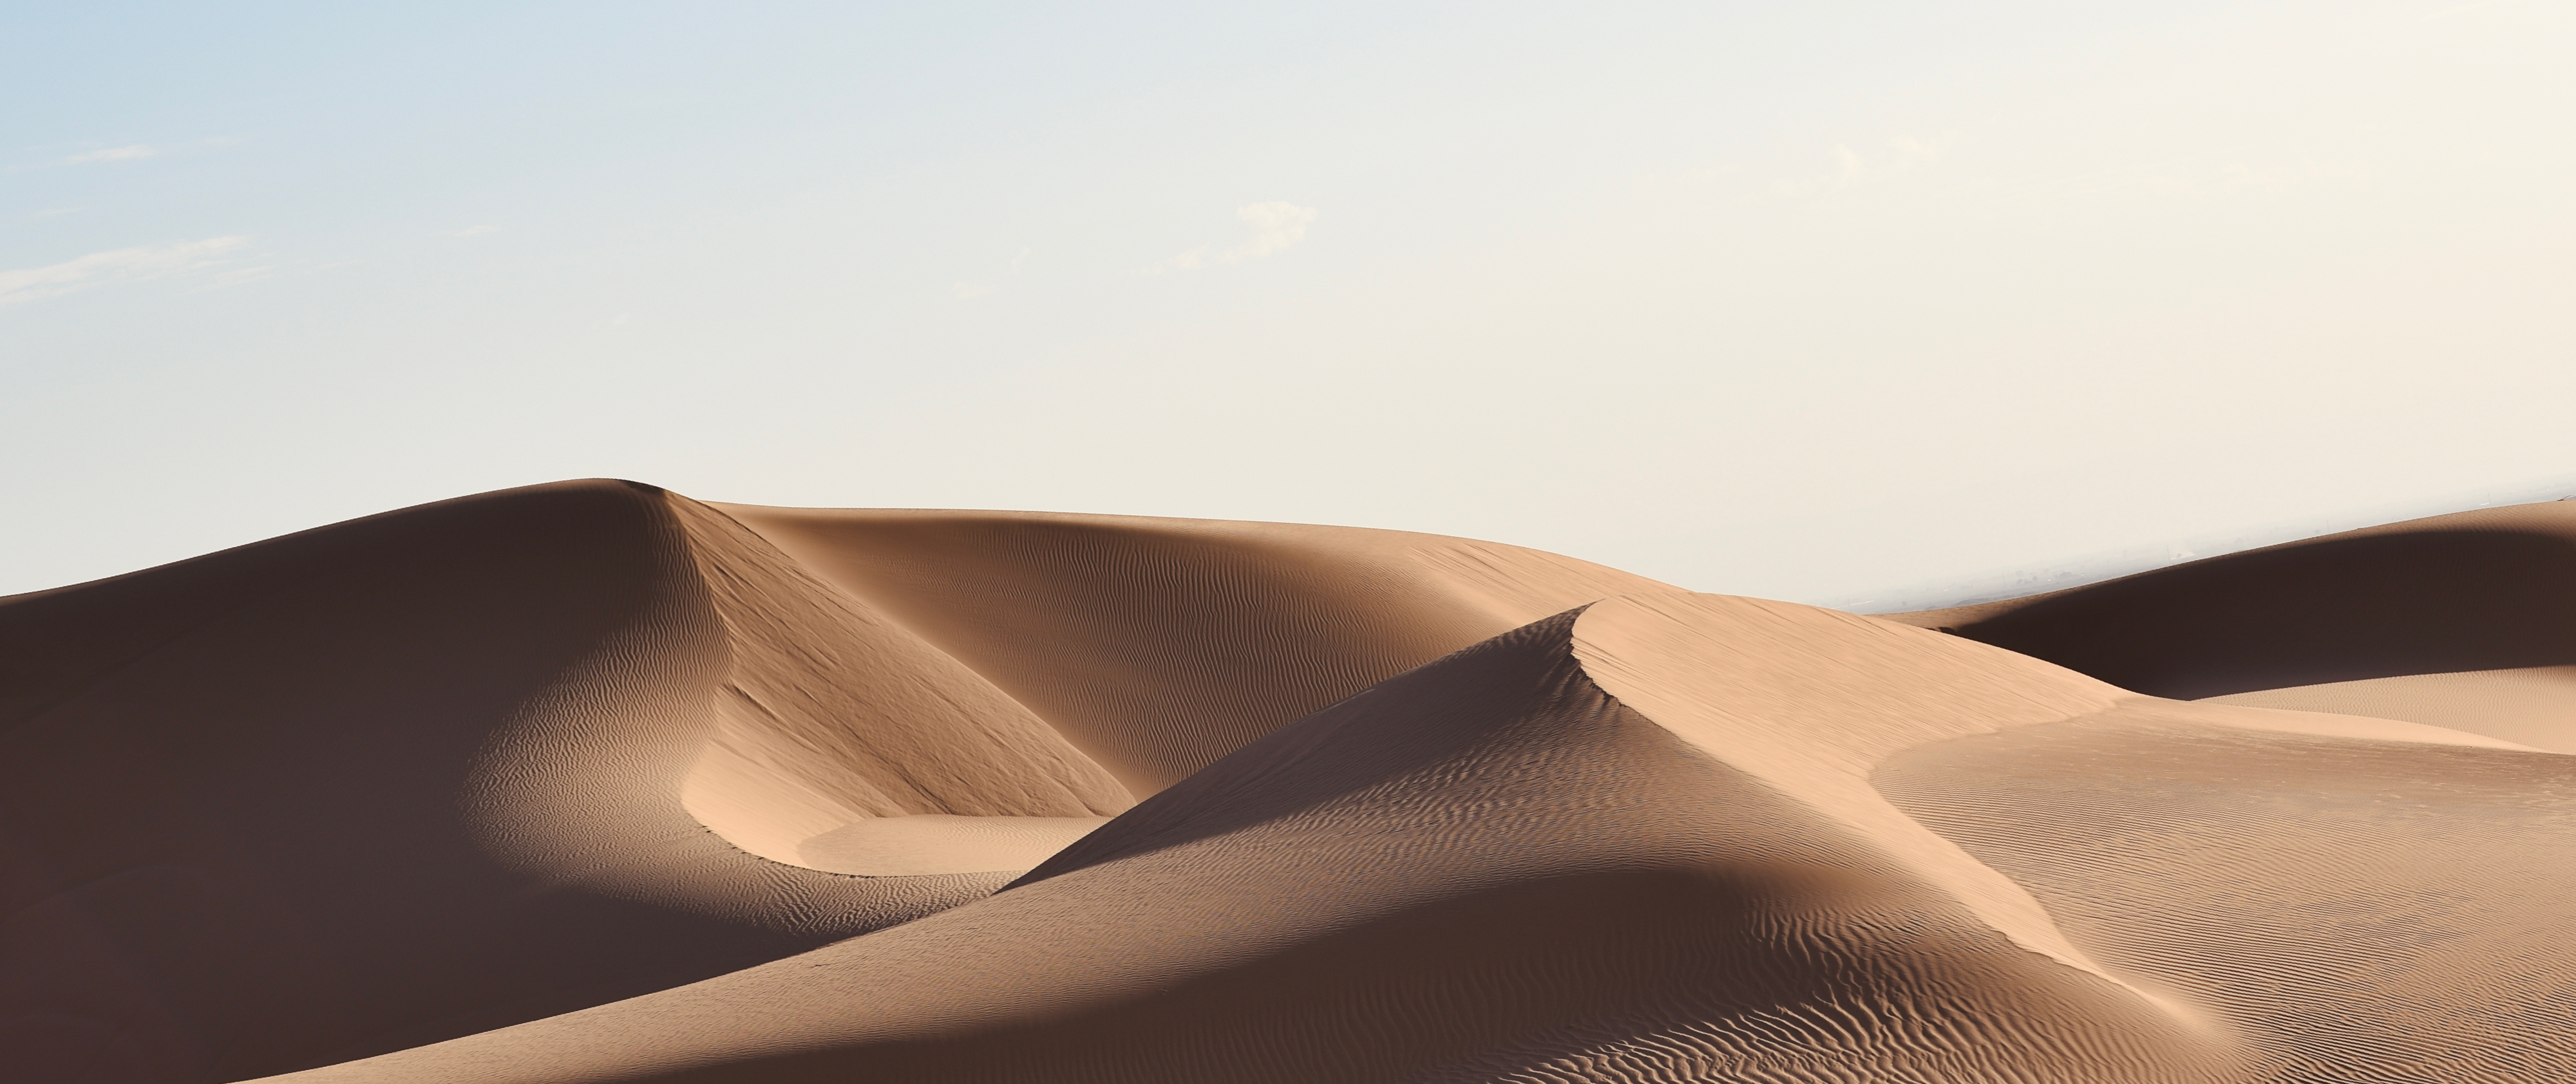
<point>1157,645</point>
<point>2458,621</point>
<point>452,768</point>
<point>592,782</point>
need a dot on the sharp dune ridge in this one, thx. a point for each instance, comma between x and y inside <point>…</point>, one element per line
<point>592,782</point>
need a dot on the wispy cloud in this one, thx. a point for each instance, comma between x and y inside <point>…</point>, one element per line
<point>1275,225</point>
<point>113,154</point>
<point>477,231</point>
<point>119,265</point>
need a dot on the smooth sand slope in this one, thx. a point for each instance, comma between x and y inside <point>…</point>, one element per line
<point>591,782</point>
<point>2460,621</point>
<point>452,768</point>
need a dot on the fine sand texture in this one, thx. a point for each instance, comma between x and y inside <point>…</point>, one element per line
<point>475,763</point>
<point>2465,621</point>
<point>591,782</point>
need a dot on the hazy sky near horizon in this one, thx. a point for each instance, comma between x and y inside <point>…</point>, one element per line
<point>1789,300</point>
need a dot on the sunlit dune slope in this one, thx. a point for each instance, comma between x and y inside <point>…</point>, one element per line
<point>1488,868</point>
<point>1159,645</point>
<point>2350,907</point>
<point>1690,837</point>
<point>451,768</point>
<point>594,783</point>
<point>376,785</point>
<point>2465,621</point>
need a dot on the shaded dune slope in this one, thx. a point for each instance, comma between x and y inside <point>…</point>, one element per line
<point>2465,621</point>
<point>447,769</point>
<point>1143,648</point>
<point>375,785</point>
<point>1489,868</point>
<point>591,782</point>
<point>1678,837</point>
<point>1159,645</point>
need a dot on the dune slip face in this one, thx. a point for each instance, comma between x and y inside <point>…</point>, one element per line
<point>593,782</point>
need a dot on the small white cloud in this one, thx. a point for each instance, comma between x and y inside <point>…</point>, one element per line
<point>113,154</point>
<point>1846,167</point>
<point>477,231</point>
<point>119,265</point>
<point>1275,226</point>
<point>1188,261</point>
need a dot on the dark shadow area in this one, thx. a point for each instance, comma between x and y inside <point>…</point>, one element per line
<point>2334,609</point>
<point>231,842</point>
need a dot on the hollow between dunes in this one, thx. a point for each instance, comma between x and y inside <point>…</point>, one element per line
<point>929,843</point>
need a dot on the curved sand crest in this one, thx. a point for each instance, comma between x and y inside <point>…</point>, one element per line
<point>1627,846</point>
<point>1587,849</point>
<point>2346,898</point>
<point>375,785</point>
<point>429,773</point>
<point>1158,645</point>
<point>442,770</point>
<point>1142,648</point>
<point>2457,621</point>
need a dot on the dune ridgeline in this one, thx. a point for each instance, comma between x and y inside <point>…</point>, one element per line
<point>591,782</point>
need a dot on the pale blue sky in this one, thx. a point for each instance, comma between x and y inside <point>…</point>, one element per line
<point>1792,300</point>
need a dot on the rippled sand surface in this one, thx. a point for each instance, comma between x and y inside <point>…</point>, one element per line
<point>592,782</point>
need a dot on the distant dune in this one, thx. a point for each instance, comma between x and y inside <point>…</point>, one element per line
<point>591,782</point>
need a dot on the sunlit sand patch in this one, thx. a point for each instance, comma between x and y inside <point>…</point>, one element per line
<point>929,843</point>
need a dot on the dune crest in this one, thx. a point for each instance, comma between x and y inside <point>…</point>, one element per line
<point>595,783</point>
<point>1486,868</point>
<point>2456,621</point>
<point>552,747</point>
<point>2532,705</point>
<point>831,713</point>
<point>1158,645</point>
<point>1064,644</point>
<point>1810,701</point>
